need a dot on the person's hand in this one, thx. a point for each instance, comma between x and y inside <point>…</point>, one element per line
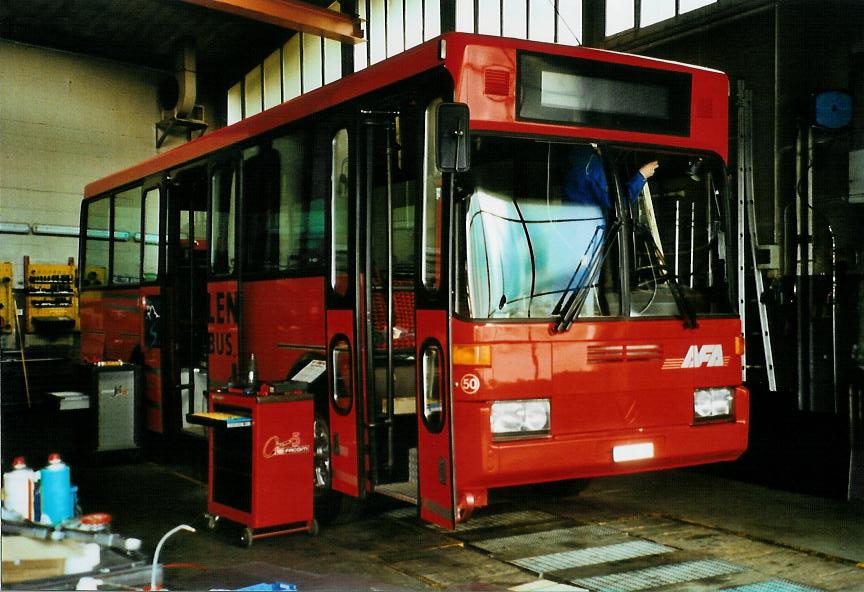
<point>648,169</point>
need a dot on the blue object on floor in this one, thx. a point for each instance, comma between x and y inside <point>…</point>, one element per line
<point>268,587</point>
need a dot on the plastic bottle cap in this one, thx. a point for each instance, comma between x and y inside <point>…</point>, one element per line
<point>54,458</point>
<point>19,463</point>
<point>96,519</point>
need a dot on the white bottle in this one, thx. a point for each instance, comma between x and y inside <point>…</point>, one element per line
<point>19,485</point>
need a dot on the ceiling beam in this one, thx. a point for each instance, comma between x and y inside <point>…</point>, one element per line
<point>292,14</point>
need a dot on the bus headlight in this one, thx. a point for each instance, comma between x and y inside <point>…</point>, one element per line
<point>520,419</point>
<point>712,404</point>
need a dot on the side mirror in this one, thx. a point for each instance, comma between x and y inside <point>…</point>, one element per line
<point>452,154</point>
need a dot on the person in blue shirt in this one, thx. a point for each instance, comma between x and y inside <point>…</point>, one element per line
<point>586,181</point>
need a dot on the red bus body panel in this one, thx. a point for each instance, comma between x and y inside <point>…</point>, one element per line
<point>280,318</point>
<point>434,450</point>
<point>603,391</point>
<point>470,61</point>
<point>344,459</point>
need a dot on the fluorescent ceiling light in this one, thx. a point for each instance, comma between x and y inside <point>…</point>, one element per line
<point>55,229</point>
<point>14,228</point>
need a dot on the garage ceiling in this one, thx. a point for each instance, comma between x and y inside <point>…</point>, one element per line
<point>145,32</point>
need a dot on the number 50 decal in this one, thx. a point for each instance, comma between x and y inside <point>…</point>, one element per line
<point>469,384</point>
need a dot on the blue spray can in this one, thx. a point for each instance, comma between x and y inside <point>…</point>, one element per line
<point>56,491</point>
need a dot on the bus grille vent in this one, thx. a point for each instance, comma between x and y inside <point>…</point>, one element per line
<point>497,83</point>
<point>601,354</point>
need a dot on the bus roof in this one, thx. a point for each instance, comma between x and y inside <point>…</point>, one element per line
<point>492,53</point>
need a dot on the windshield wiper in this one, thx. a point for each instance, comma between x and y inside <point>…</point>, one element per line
<point>684,306</point>
<point>572,300</point>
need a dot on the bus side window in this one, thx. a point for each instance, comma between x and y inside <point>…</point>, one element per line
<point>152,231</point>
<point>339,222</point>
<point>430,250</point>
<point>223,195</point>
<point>127,223</point>
<point>97,245</point>
<point>261,207</point>
<point>300,215</point>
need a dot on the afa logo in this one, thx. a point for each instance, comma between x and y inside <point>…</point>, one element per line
<point>710,356</point>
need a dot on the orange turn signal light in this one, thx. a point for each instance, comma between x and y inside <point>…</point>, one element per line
<point>739,345</point>
<point>472,355</point>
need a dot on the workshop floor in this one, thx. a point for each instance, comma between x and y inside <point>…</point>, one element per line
<point>681,530</point>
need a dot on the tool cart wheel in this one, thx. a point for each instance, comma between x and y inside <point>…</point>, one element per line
<point>246,537</point>
<point>313,528</point>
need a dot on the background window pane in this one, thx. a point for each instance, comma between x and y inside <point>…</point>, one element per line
<point>127,221</point>
<point>619,16</point>
<point>223,197</point>
<point>152,230</point>
<point>570,22</point>
<point>96,250</point>
<point>687,5</point>
<point>340,216</point>
<point>431,240</point>
<point>656,11</point>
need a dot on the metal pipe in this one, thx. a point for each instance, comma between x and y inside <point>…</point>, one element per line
<point>390,378</point>
<point>799,271</point>
<point>808,245</point>
<point>778,208</point>
<point>692,239</point>
<point>677,238</point>
<point>372,408</point>
<point>835,363</point>
<point>742,303</point>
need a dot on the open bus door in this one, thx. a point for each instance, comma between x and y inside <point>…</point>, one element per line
<point>152,295</point>
<point>447,152</point>
<point>184,372</point>
<point>343,352</point>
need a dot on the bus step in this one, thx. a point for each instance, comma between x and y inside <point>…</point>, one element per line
<point>405,491</point>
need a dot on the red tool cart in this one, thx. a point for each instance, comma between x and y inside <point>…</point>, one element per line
<point>260,474</point>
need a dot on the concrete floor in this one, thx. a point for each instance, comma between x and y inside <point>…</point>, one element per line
<point>745,533</point>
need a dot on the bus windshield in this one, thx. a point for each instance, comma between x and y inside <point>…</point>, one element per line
<point>539,223</point>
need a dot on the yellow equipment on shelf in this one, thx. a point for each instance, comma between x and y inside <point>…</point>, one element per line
<point>7,311</point>
<point>52,297</point>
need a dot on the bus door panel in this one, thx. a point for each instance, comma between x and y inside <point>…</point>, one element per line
<point>343,402</point>
<point>344,398</point>
<point>434,421</point>
<point>152,334</point>
<point>152,298</point>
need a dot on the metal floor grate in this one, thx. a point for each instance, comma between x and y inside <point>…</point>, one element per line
<point>506,519</point>
<point>663,575</point>
<point>400,513</point>
<point>774,586</point>
<point>546,537</point>
<point>543,564</point>
<point>405,491</point>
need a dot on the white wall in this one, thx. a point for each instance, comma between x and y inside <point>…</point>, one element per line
<point>65,120</point>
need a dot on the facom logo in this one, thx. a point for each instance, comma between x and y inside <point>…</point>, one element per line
<point>709,355</point>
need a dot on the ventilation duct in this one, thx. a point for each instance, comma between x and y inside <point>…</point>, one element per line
<point>177,95</point>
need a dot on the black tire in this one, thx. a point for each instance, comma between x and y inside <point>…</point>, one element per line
<point>330,507</point>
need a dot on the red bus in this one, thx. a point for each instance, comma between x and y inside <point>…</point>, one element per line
<point>454,253</point>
